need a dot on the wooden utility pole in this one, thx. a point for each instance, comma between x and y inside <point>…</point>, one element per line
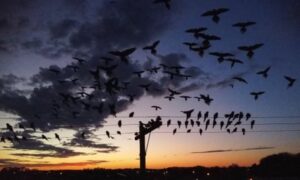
<point>143,130</point>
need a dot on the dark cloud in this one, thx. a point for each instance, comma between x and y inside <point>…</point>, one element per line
<point>234,150</point>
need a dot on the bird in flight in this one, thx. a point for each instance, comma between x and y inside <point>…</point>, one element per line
<point>188,113</point>
<point>79,60</point>
<point>170,98</point>
<point>185,97</point>
<point>257,94</point>
<point>207,99</point>
<point>123,55</point>
<point>290,80</point>
<point>240,79</point>
<point>173,92</point>
<point>166,2</point>
<point>234,61</point>
<point>156,107</point>
<point>243,25</point>
<point>152,47</point>
<point>215,13</point>
<point>264,72</point>
<point>221,55</point>
<point>250,49</point>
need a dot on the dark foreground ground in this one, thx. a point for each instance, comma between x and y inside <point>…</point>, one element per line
<point>280,166</point>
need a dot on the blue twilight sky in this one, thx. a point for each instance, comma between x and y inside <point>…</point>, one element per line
<point>35,35</point>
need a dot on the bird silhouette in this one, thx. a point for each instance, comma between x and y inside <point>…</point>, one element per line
<point>131,114</point>
<point>152,47</point>
<point>166,3</point>
<point>240,79</point>
<point>257,94</point>
<point>207,124</point>
<point>290,80</point>
<point>195,32</point>
<point>179,124</point>
<point>107,134</point>
<point>264,72</point>
<point>206,114</point>
<point>185,97</point>
<point>243,131</point>
<point>198,123</point>
<point>188,131</point>
<point>250,49</point>
<point>9,127</point>
<point>170,98</point>
<point>188,113</point>
<point>243,25</point>
<point>248,116</point>
<point>200,131</point>
<point>199,115</point>
<point>221,125</point>
<point>207,99</point>
<point>234,61</point>
<point>156,107</point>
<point>207,38</point>
<point>57,136</point>
<point>44,137</point>
<point>215,13</point>
<point>120,123</point>
<point>201,49</point>
<point>153,70</point>
<point>186,123</point>
<point>174,131</point>
<point>221,55</point>
<point>252,124</point>
<point>192,122</point>
<point>168,122</point>
<point>173,92</point>
<point>123,55</point>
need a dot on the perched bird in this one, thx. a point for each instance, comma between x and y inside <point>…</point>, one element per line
<point>252,123</point>
<point>221,125</point>
<point>215,13</point>
<point>186,123</point>
<point>120,123</point>
<point>123,54</point>
<point>174,131</point>
<point>264,72</point>
<point>188,113</point>
<point>153,70</point>
<point>243,25</point>
<point>290,80</point>
<point>131,114</point>
<point>207,124</point>
<point>206,114</point>
<point>119,132</point>
<point>257,94</point>
<point>192,122</point>
<point>199,115</point>
<point>156,107</point>
<point>243,131</point>
<point>240,79</point>
<point>200,131</point>
<point>57,136</point>
<point>152,47</point>
<point>179,124</point>
<point>248,116</point>
<point>168,122</point>
<point>188,131</point>
<point>166,2</point>
<point>250,49</point>
<point>44,137</point>
<point>198,123</point>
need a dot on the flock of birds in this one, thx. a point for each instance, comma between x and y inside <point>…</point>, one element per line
<point>85,97</point>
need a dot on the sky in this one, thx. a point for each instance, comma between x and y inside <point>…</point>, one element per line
<point>38,36</point>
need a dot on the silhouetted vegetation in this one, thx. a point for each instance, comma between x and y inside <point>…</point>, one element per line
<point>284,165</point>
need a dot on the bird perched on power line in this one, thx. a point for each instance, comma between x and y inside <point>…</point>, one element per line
<point>168,122</point>
<point>264,72</point>
<point>179,124</point>
<point>257,94</point>
<point>200,131</point>
<point>107,134</point>
<point>206,114</point>
<point>174,131</point>
<point>199,115</point>
<point>120,123</point>
<point>207,124</point>
<point>243,131</point>
<point>188,113</point>
<point>248,116</point>
<point>243,25</point>
<point>290,80</point>
<point>152,47</point>
<point>252,124</point>
<point>215,13</point>
<point>9,127</point>
<point>44,137</point>
<point>250,49</point>
<point>131,114</point>
<point>119,132</point>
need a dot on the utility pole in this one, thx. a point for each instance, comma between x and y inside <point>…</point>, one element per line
<point>143,130</point>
